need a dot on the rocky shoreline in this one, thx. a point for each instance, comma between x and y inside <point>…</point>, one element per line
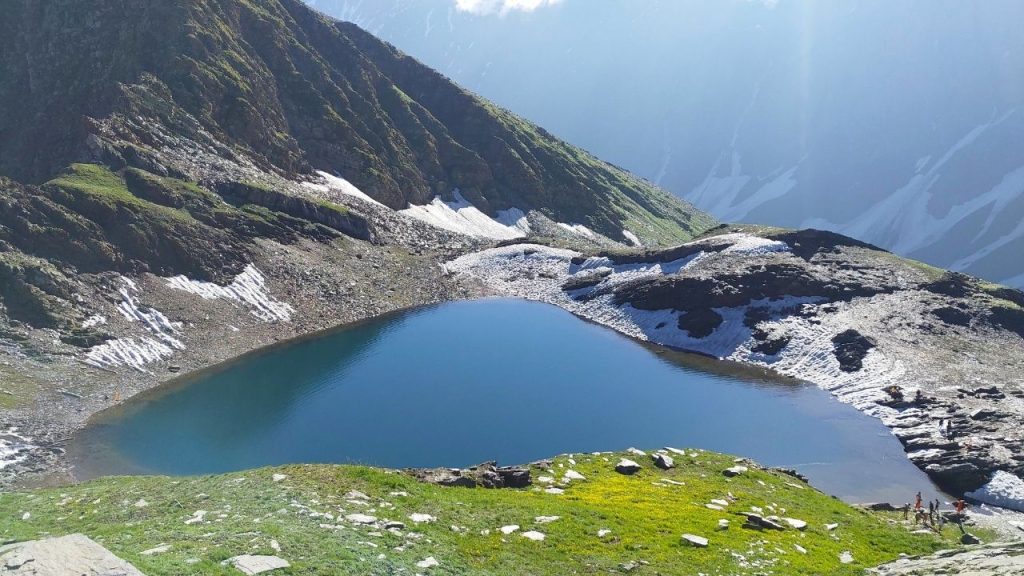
<point>948,391</point>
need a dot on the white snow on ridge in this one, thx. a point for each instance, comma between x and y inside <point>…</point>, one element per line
<point>1004,490</point>
<point>248,288</point>
<point>579,230</point>
<point>514,218</point>
<point>741,243</point>
<point>462,217</point>
<point>340,185</point>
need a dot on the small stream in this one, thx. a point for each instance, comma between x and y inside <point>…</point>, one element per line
<point>508,380</point>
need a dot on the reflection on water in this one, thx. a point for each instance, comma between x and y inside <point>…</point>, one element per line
<point>461,383</point>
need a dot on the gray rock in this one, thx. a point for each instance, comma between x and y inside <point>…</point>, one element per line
<point>758,522</point>
<point>663,461</point>
<point>626,466</point>
<point>698,541</point>
<point>251,564</point>
<point>734,471</point>
<point>65,556</point>
<point>997,559</point>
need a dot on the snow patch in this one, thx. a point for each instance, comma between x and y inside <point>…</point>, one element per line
<point>14,447</point>
<point>579,230</point>
<point>94,321</point>
<point>462,217</point>
<point>514,218</point>
<point>1004,490</point>
<point>248,289</point>
<point>339,184</point>
<point>137,352</point>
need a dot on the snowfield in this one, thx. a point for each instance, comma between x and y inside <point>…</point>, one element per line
<point>162,337</point>
<point>248,289</point>
<point>340,185</point>
<point>461,216</point>
<point>1004,490</point>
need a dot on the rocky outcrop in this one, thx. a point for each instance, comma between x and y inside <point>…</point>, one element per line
<point>336,217</point>
<point>997,559</point>
<point>486,475</point>
<point>74,554</point>
<point>850,347</point>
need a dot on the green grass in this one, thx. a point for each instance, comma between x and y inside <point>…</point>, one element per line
<point>98,183</point>
<point>646,517</point>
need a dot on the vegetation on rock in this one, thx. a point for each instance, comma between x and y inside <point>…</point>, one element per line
<point>335,519</point>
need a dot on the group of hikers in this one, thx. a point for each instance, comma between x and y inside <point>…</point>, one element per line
<point>934,516</point>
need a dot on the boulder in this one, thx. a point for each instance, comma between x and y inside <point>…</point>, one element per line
<point>74,554</point>
<point>795,523</point>
<point>487,475</point>
<point>758,522</point>
<point>663,461</point>
<point>627,467</point>
<point>968,538</point>
<point>361,518</point>
<point>252,564</point>
<point>698,541</point>
<point>734,471</point>
<point>850,348</point>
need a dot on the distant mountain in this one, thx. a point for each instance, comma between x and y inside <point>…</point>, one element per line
<point>291,91</point>
<point>898,123</point>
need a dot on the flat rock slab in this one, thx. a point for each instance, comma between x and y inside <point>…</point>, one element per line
<point>251,564</point>
<point>74,555</point>
<point>1000,559</point>
<point>698,541</point>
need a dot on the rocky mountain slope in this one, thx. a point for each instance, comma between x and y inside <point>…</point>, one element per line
<point>182,182</point>
<point>292,91</point>
<point>898,124</point>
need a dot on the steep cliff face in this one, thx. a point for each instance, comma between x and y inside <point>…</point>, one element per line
<point>294,91</point>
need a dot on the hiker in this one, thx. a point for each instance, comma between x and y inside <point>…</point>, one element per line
<point>917,502</point>
<point>931,511</point>
<point>906,511</point>
<point>960,506</point>
<point>918,397</point>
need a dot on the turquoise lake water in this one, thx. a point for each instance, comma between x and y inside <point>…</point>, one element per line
<point>507,380</point>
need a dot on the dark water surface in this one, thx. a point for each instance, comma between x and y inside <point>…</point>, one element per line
<point>460,383</point>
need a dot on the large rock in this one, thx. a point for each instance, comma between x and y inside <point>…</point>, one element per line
<point>486,475</point>
<point>72,555</point>
<point>850,348</point>
<point>998,559</point>
<point>252,564</point>
<point>663,461</point>
<point>698,541</point>
<point>626,466</point>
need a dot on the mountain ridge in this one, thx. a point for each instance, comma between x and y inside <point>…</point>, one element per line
<point>296,91</point>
